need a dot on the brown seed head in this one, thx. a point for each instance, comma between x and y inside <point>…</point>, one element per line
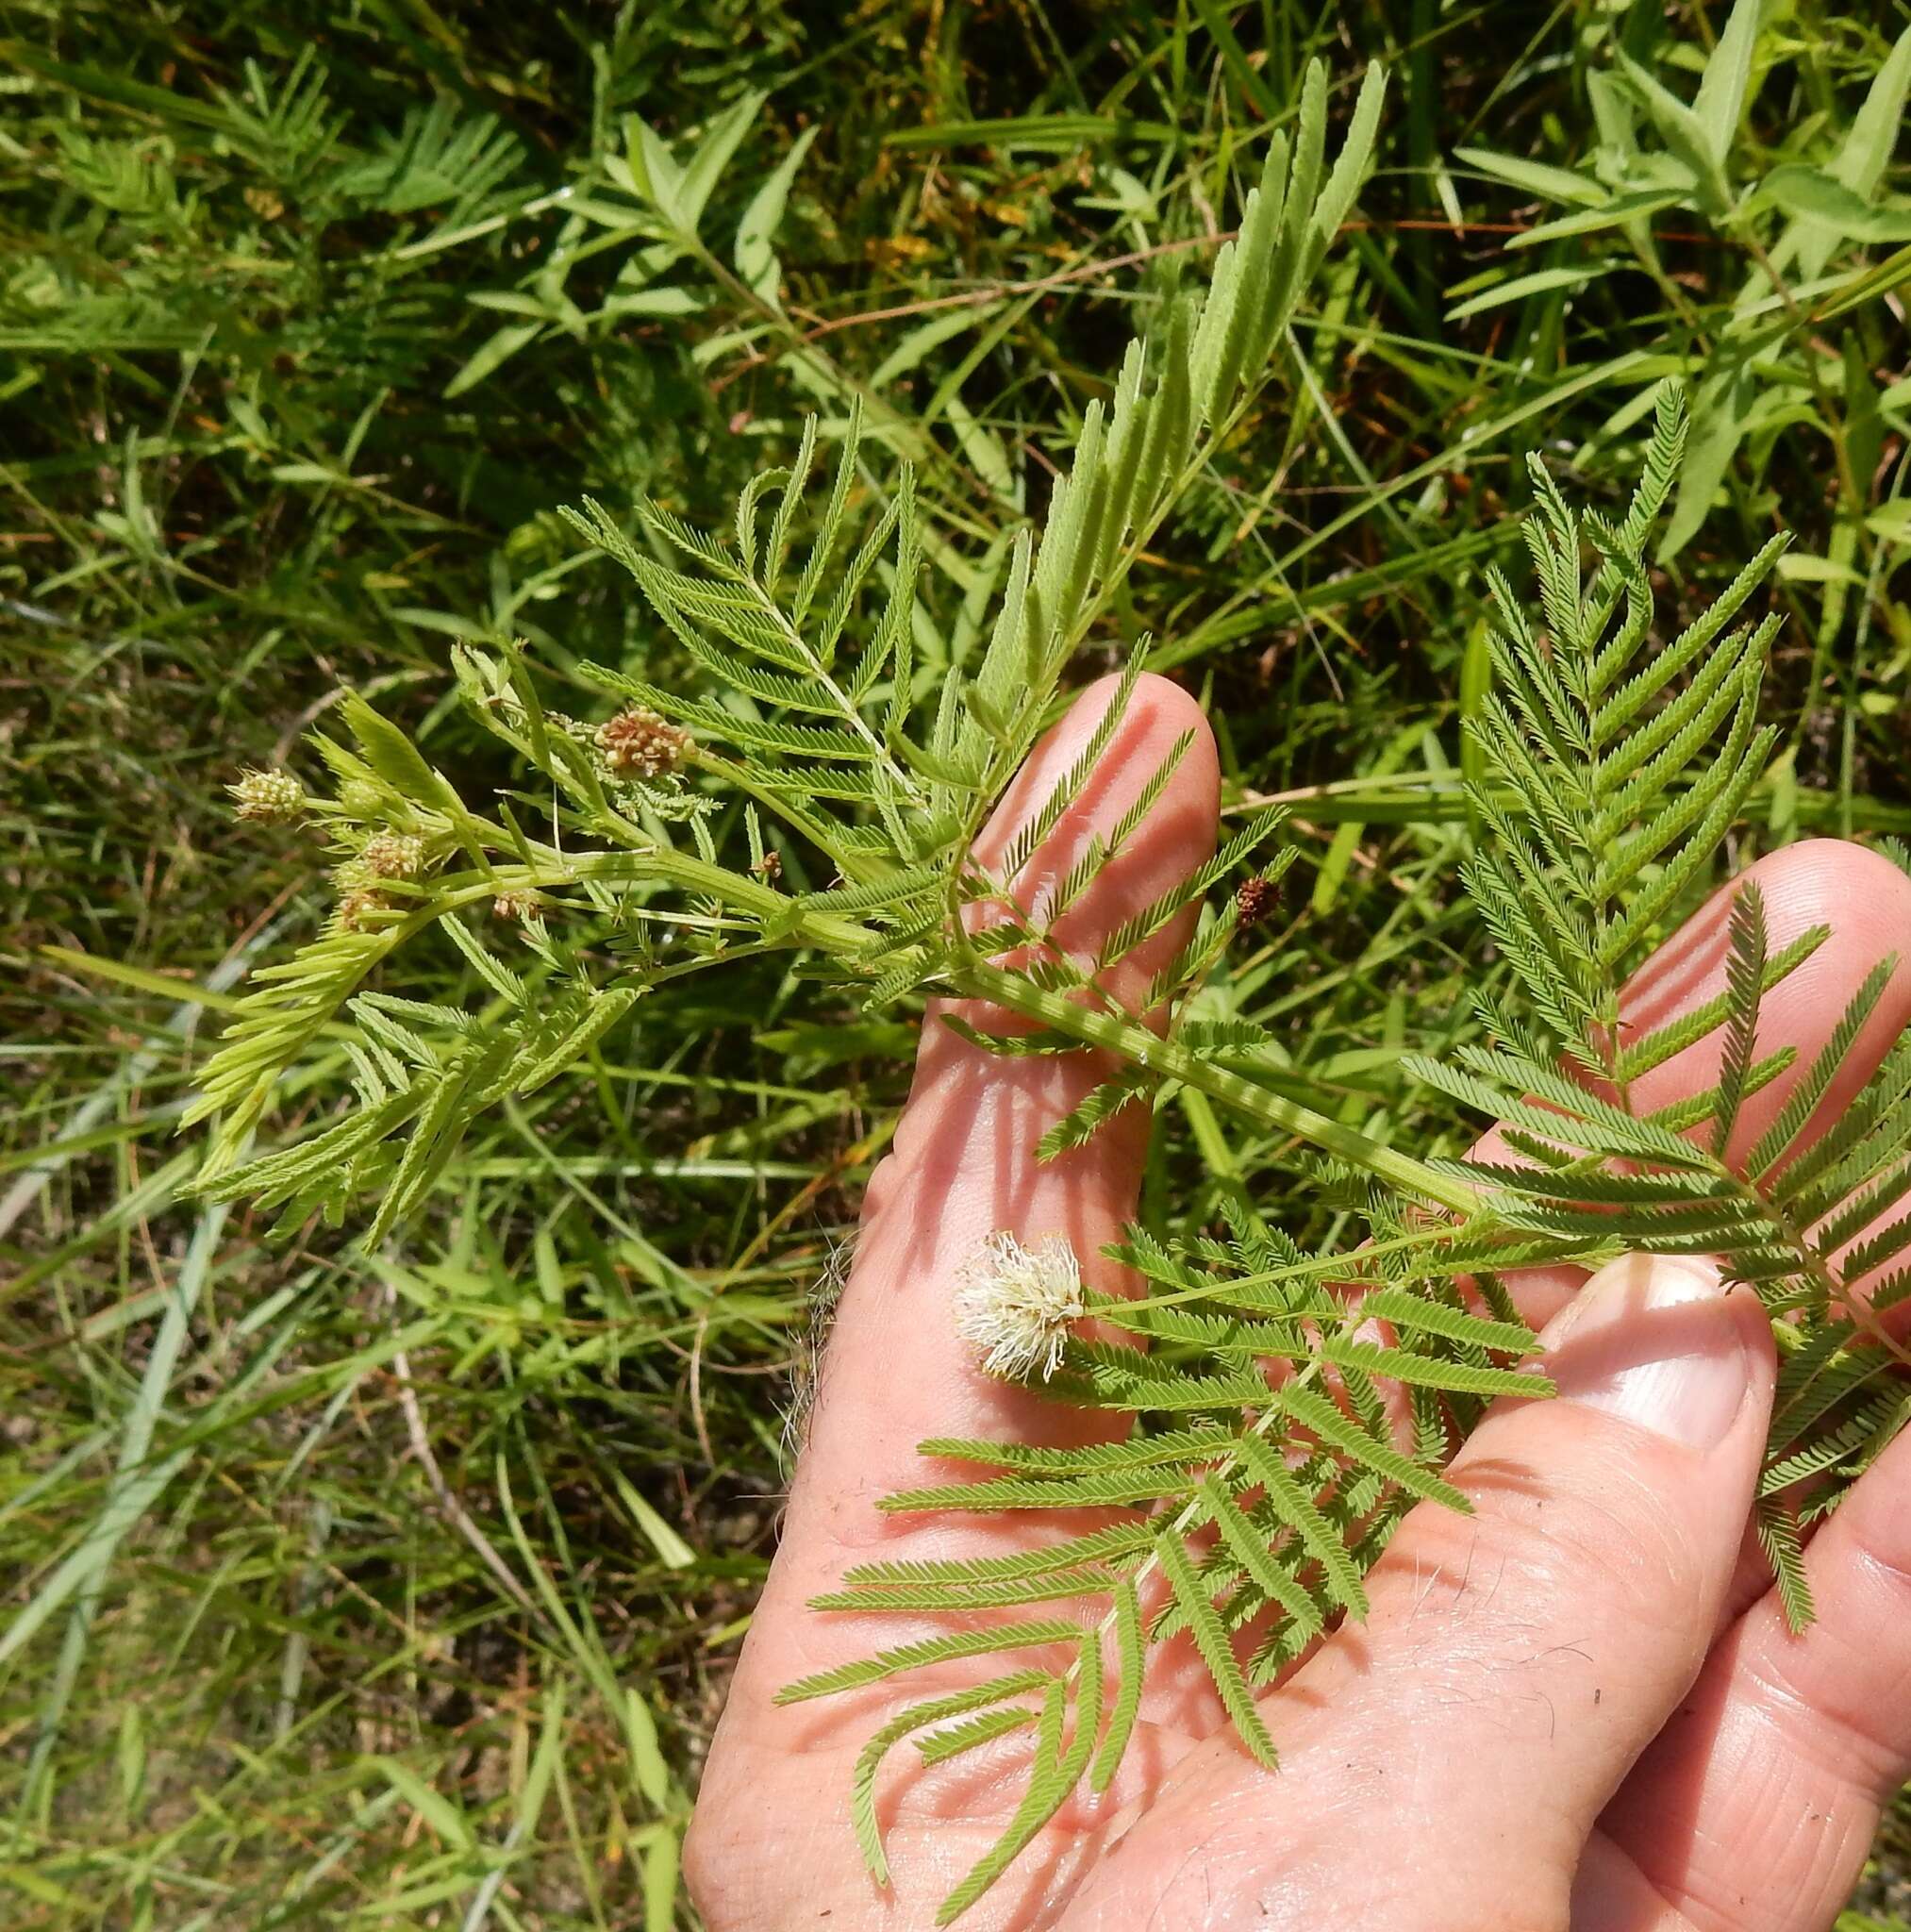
<point>355,906</point>
<point>1255,899</point>
<point>512,906</point>
<point>637,743</point>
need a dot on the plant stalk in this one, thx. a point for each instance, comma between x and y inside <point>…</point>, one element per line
<point>1137,1043</point>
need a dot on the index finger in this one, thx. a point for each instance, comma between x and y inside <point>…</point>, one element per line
<point>963,1167</point>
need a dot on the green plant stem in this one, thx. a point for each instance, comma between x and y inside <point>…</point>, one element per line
<point>1438,798</point>
<point>1863,1318</point>
<point>1134,1042</point>
<point>828,931</point>
<point>975,979</point>
<point>1830,413</point>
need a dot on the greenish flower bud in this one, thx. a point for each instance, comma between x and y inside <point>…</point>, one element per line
<point>272,797</point>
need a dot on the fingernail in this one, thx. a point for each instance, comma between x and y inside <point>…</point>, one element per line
<point>1652,1339</point>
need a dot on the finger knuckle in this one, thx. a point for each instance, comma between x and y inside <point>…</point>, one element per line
<point>1605,1554</point>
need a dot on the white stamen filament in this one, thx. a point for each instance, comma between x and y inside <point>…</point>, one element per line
<point>1014,1304</point>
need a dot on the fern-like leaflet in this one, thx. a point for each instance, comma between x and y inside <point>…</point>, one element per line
<point>876,759</point>
<point>1246,1507</point>
<point>1609,792</point>
<point>1244,1513</point>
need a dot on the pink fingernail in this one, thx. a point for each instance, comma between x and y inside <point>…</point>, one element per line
<point>1651,1339</point>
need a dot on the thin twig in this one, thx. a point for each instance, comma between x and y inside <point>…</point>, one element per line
<point>453,1510</point>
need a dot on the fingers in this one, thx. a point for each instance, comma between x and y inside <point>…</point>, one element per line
<point>963,1167</point>
<point>1757,1807</point>
<point>1736,1817</point>
<point>1515,1662</point>
<point>1865,901</point>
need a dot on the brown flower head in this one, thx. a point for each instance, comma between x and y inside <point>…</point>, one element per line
<point>1255,899</point>
<point>637,743</point>
<point>355,906</point>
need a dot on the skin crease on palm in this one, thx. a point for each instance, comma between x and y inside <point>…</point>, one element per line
<point>1578,1707</point>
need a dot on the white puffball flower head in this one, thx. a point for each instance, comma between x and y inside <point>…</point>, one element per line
<point>1014,1304</point>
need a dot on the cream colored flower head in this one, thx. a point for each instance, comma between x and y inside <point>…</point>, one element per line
<point>394,854</point>
<point>274,797</point>
<point>1014,1304</point>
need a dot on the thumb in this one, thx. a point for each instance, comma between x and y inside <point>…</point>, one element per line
<point>1515,1662</point>
<point>1534,1648</point>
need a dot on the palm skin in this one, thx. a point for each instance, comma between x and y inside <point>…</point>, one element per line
<point>1577,1706</point>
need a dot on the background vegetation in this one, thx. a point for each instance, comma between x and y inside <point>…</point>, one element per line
<point>399,1588</point>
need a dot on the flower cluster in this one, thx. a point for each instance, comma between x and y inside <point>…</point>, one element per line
<point>393,856</point>
<point>271,797</point>
<point>1014,1304</point>
<point>637,743</point>
<point>355,907</point>
<point>1255,899</point>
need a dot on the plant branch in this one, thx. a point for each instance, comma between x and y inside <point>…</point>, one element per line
<point>1134,1042</point>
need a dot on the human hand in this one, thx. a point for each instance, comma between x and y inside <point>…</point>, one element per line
<point>1579,1704</point>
